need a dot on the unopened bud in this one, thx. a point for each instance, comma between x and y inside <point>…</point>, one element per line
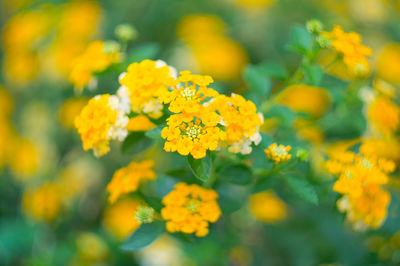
<point>111,47</point>
<point>314,26</point>
<point>144,214</point>
<point>125,32</point>
<point>302,155</point>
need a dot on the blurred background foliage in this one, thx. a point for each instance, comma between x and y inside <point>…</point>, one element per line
<point>53,208</point>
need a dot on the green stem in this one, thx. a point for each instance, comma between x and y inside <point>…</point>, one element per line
<point>211,180</point>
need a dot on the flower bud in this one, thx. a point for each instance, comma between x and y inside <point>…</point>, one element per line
<point>314,26</point>
<point>323,41</point>
<point>302,155</point>
<point>144,214</point>
<point>111,47</point>
<point>125,32</point>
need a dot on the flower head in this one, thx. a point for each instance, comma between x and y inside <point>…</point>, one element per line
<point>144,214</point>
<point>190,209</point>
<point>99,121</point>
<point>128,179</point>
<point>267,207</point>
<point>384,114</point>
<point>278,153</point>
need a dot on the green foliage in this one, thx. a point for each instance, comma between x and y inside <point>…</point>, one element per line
<point>135,142</point>
<point>236,174</point>
<point>300,40</point>
<point>201,168</point>
<point>302,188</point>
<point>143,236</point>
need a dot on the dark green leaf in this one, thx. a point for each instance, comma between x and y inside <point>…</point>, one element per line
<point>231,197</point>
<point>300,40</point>
<point>135,142</point>
<point>143,236</point>
<point>142,52</point>
<point>201,168</point>
<point>274,70</point>
<point>313,73</point>
<point>302,188</point>
<point>259,83</point>
<point>154,133</point>
<point>236,174</point>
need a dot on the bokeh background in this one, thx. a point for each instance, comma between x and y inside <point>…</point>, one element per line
<point>53,205</point>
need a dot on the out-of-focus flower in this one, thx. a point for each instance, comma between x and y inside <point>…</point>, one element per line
<point>165,251</point>
<point>255,3</point>
<point>304,98</point>
<point>42,203</point>
<point>91,249</point>
<point>278,153</point>
<point>384,115</point>
<point>308,131</point>
<point>360,182</point>
<point>6,103</point>
<point>215,53</point>
<point>100,121</point>
<point>190,209</point>
<point>22,67</point>
<point>128,179</point>
<point>348,45</point>
<point>119,218</point>
<point>125,32</point>
<point>70,109</point>
<point>140,123</point>
<point>25,159</point>
<point>384,88</point>
<point>267,207</point>
<point>387,147</point>
<point>240,120</point>
<point>388,63</point>
<point>96,58</point>
<point>143,83</point>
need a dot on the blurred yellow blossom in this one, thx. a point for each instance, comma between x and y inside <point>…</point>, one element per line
<point>305,98</point>
<point>267,207</point>
<point>140,123</point>
<point>384,115</point>
<point>94,59</point>
<point>278,153</point>
<point>255,3</point>
<point>388,63</point>
<point>190,209</point>
<point>387,147</point>
<point>70,109</point>
<point>119,218</point>
<point>91,249</point>
<point>349,46</point>
<point>25,159</point>
<point>99,121</point>
<point>42,203</point>
<point>128,179</point>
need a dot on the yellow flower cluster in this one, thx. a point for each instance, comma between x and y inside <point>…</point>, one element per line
<point>278,153</point>
<point>384,115</point>
<point>349,46</point>
<point>190,209</point>
<point>23,36</point>
<point>101,120</point>
<point>267,207</point>
<point>96,58</point>
<point>144,83</point>
<point>127,179</point>
<point>240,120</point>
<point>360,182</point>
<point>215,53</point>
<point>193,129</point>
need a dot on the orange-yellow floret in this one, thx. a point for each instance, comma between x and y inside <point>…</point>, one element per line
<point>190,209</point>
<point>127,179</point>
<point>278,153</point>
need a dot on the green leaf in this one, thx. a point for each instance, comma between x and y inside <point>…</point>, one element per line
<point>201,168</point>
<point>258,81</point>
<point>300,40</point>
<point>143,236</point>
<point>154,133</point>
<point>135,142</point>
<point>231,197</point>
<point>283,113</point>
<point>274,70</point>
<point>313,73</point>
<point>236,174</point>
<point>142,52</point>
<point>302,188</point>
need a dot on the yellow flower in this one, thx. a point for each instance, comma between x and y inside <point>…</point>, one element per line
<point>25,159</point>
<point>91,249</point>
<point>304,98</point>
<point>349,46</point>
<point>267,207</point>
<point>6,103</point>
<point>255,3</point>
<point>42,203</point>
<point>384,114</point>
<point>388,147</point>
<point>119,218</point>
<point>384,88</point>
<point>215,53</point>
<point>95,58</point>
<point>193,129</point>
<point>360,182</point>
<point>144,82</point>
<point>99,121</point>
<point>128,179</point>
<point>240,121</point>
<point>21,67</point>
<point>388,63</point>
<point>70,109</point>
<point>140,123</point>
<point>278,153</point>
<point>190,209</point>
